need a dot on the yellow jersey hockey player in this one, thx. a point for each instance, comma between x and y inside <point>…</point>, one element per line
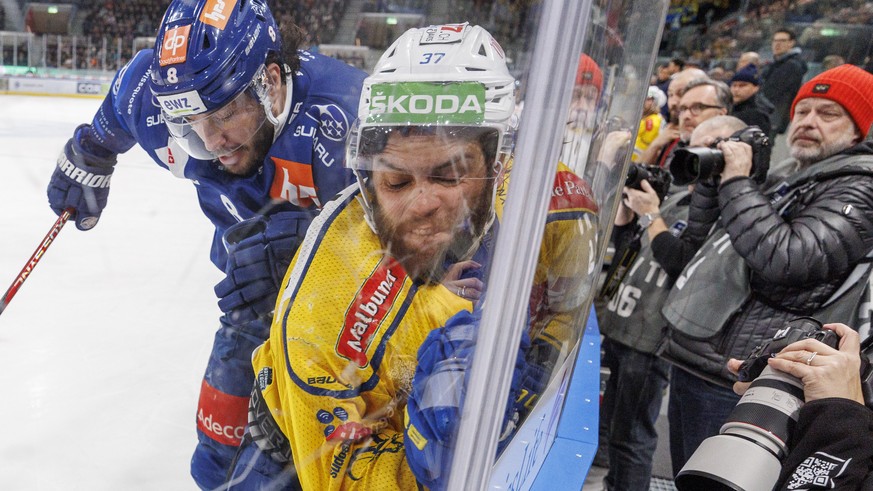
<point>395,257</point>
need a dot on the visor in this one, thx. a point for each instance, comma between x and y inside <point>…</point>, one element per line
<point>208,135</point>
<point>366,144</point>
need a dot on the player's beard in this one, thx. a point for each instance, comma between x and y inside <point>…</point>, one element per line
<point>431,268</point>
<point>256,150</point>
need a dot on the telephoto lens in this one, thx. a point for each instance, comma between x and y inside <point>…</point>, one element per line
<point>747,453</point>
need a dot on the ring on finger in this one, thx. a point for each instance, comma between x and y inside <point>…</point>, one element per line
<point>464,291</point>
<point>809,360</point>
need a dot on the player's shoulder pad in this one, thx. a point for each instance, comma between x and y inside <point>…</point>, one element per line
<point>329,80</point>
<point>571,193</point>
<point>132,80</point>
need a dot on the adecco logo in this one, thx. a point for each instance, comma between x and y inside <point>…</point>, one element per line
<point>89,88</point>
<point>458,103</point>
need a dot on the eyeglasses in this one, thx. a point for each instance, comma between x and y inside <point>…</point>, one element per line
<point>786,40</point>
<point>697,108</point>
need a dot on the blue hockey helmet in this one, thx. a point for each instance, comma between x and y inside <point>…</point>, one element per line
<point>207,54</point>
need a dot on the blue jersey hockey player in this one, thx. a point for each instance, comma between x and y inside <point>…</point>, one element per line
<point>227,101</point>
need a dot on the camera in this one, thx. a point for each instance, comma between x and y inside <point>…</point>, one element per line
<point>659,178</point>
<point>748,451</point>
<point>798,329</point>
<point>689,165</point>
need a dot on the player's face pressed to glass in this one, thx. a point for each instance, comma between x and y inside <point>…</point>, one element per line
<point>428,189</point>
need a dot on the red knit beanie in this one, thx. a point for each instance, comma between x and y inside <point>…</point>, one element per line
<point>588,73</point>
<point>848,86</point>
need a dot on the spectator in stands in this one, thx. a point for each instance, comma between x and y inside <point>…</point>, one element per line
<point>664,74</point>
<point>701,100</point>
<point>668,137</point>
<point>719,73</point>
<point>832,61</point>
<point>748,58</point>
<point>783,77</point>
<point>749,104</point>
<point>765,265</point>
<point>652,120</point>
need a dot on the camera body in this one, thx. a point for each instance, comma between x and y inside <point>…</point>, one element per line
<point>658,178</point>
<point>689,165</point>
<point>796,330</point>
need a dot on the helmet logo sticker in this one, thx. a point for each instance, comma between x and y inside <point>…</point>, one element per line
<point>216,12</point>
<point>445,34</point>
<point>174,49</point>
<point>332,122</point>
<point>425,103</point>
<point>184,104</point>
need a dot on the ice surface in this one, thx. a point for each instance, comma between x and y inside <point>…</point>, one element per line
<point>103,348</point>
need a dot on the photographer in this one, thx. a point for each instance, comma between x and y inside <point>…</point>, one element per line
<point>799,248</point>
<point>649,229</point>
<point>824,451</point>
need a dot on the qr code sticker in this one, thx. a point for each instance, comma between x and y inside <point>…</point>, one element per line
<point>817,472</point>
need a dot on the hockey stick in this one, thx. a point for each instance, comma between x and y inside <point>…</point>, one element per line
<point>37,255</point>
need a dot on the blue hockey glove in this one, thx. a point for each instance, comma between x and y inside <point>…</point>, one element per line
<point>259,251</point>
<point>81,181</point>
<point>433,410</point>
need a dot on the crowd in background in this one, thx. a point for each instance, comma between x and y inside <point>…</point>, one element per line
<point>714,41</point>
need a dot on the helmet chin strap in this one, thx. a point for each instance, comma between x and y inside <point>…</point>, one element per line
<point>281,120</point>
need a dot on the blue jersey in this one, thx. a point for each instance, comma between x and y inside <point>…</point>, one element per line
<point>303,168</point>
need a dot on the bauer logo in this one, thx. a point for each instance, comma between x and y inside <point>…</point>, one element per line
<point>174,48</point>
<point>370,307</point>
<point>216,12</point>
<point>426,103</point>
<point>184,104</point>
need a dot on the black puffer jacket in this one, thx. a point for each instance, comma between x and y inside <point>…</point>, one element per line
<point>796,260</point>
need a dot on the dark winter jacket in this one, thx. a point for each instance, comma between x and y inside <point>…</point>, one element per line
<point>756,111</point>
<point>830,448</point>
<point>796,260</point>
<point>780,82</point>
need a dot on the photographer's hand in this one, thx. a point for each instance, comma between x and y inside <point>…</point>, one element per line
<point>733,366</point>
<point>824,371</point>
<point>645,202</point>
<point>642,201</point>
<point>737,159</point>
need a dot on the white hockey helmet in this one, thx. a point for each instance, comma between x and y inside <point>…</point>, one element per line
<point>449,78</point>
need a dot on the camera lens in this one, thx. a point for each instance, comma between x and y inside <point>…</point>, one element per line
<point>747,454</point>
<point>635,176</point>
<point>688,165</point>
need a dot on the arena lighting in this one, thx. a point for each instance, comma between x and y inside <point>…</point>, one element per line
<point>391,21</point>
<point>52,9</point>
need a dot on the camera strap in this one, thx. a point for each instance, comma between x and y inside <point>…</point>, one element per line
<point>623,260</point>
